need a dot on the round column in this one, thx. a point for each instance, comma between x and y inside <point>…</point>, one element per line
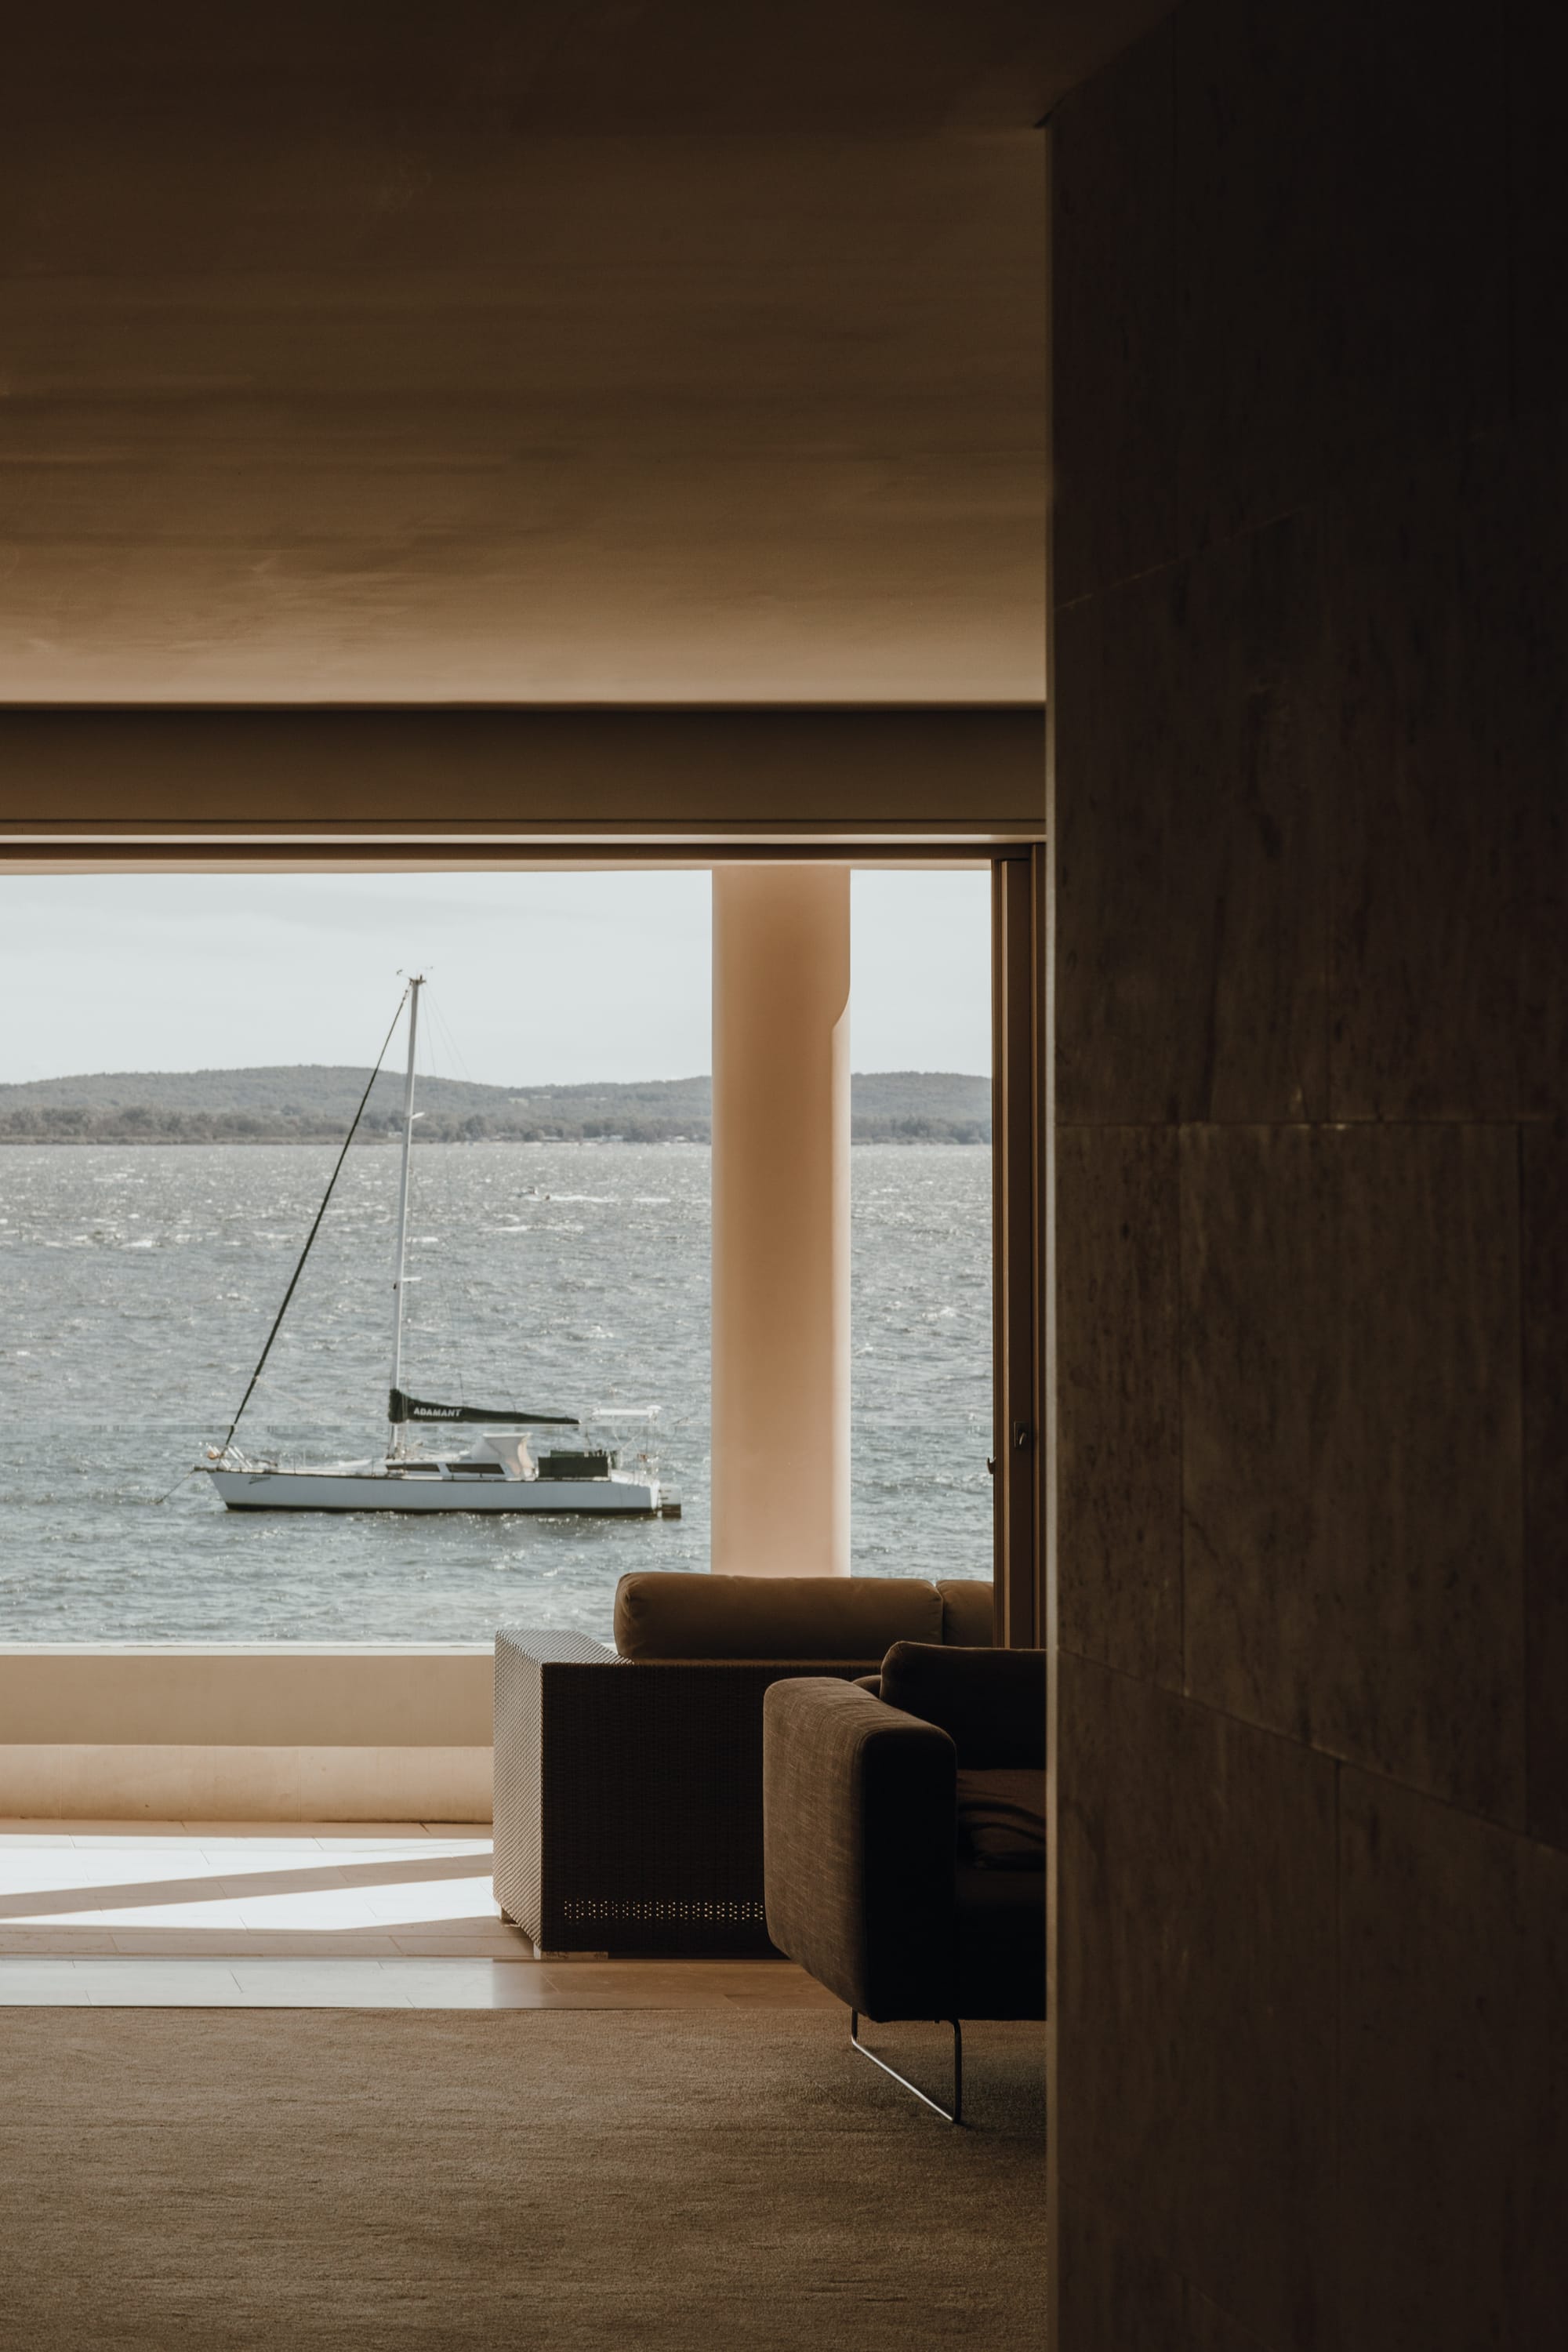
<point>781,1220</point>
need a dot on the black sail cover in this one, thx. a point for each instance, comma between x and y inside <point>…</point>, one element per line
<point>402,1407</point>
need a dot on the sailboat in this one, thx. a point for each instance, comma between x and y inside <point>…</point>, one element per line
<point>505,1467</point>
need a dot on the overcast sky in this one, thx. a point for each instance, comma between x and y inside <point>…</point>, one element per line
<point>537,976</point>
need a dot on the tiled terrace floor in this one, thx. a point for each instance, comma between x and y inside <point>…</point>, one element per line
<point>307,1914</point>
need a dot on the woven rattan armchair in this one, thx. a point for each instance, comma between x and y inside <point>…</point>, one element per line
<point>628,1783</point>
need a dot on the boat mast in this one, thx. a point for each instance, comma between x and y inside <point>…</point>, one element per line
<point>394,1441</point>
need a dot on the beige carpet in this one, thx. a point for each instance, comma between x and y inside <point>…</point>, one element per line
<point>681,2179</point>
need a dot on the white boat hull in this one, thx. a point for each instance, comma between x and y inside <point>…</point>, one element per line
<point>382,1490</point>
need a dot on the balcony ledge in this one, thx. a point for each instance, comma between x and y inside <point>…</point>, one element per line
<point>245,1731</point>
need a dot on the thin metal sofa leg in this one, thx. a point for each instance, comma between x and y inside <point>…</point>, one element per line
<point>954,2116</point>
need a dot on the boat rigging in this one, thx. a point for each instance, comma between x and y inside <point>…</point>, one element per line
<point>500,1470</point>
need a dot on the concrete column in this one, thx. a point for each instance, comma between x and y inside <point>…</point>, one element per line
<point>781,1220</point>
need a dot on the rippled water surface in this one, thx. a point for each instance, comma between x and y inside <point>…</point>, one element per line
<point>138,1285</point>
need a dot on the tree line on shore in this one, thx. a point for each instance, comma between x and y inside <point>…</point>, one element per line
<point>313,1103</point>
<point>151,1123</point>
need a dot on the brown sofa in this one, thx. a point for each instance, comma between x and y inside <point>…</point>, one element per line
<point>904,1837</point>
<point>628,1783</point>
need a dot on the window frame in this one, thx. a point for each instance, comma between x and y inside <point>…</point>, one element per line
<point>1019,870</point>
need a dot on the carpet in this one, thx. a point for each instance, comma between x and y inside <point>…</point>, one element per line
<point>311,2181</point>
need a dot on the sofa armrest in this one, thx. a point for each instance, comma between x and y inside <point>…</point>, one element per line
<point>858,1842</point>
<point>529,1669</point>
<point>628,1795</point>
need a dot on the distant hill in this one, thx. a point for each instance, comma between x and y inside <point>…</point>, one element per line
<point>313,1102</point>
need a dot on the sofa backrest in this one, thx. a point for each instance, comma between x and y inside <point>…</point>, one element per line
<point>968,1613</point>
<point>663,1613</point>
<point>991,1703</point>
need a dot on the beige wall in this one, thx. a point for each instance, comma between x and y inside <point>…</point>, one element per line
<point>1310,366</point>
<point>91,1781</point>
<point>245,1733</point>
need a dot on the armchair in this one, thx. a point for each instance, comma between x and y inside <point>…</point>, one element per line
<point>904,1838</point>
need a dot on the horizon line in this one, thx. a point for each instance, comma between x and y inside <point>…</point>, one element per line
<point>213,1069</point>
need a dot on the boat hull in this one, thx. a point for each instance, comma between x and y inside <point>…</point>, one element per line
<point>328,1490</point>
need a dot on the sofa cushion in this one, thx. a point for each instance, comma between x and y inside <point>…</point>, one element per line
<point>1000,1943</point>
<point>968,1613</point>
<point>661,1613</point>
<point>1002,1819</point>
<point>991,1703</point>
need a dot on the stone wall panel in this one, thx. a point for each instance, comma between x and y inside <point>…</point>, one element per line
<point>1449,779</point>
<point>1454,2132</point>
<point>1195,2096</point>
<point>1113,304</point>
<point>1191,845</point>
<point>1544,1173</point>
<point>1350,1445</point>
<point>1119,1464</point>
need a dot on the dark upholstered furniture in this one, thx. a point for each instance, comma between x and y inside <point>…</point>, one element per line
<point>904,1835</point>
<point>628,1783</point>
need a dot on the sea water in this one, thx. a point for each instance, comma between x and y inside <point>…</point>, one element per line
<point>138,1284</point>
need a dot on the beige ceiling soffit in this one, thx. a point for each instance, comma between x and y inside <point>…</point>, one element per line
<point>428,774</point>
<point>483,840</point>
<point>142,856</point>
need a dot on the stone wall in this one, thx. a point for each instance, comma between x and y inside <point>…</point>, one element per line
<point>1311,621</point>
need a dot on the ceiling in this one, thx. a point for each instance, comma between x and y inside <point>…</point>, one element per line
<point>618,352</point>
